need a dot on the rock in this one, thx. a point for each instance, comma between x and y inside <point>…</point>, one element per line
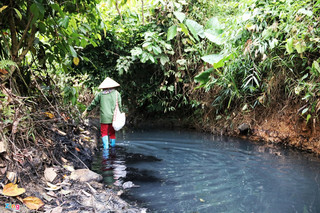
<point>128,185</point>
<point>85,175</point>
<point>244,129</point>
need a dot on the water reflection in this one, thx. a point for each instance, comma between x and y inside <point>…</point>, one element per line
<point>112,168</point>
<point>193,172</point>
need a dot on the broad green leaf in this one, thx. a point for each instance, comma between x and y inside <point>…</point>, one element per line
<point>213,37</point>
<point>18,13</point>
<point>83,43</point>
<point>164,59</point>
<point>203,77</point>
<point>73,51</point>
<point>308,118</point>
<point>64,22</point>
<point>195,29</point>
<point>213,59</point>
<point>184,28</point>
<point>40,7</point>
<point>300,46</point>
<point>213,24</point>
<point>316,66</point>
<point>136,51</point>
<point>289,45</point>
<point>172,32</point>
<point>157,50</point>
<point>35,11</point>
<point>146,44</point>
<point>56,7</point>
<point>180,16</point>
<point>42,27</point>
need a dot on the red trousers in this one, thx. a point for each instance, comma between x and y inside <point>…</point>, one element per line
<point>107,130</point>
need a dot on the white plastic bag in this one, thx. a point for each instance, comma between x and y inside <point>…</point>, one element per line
<point>119,118</point>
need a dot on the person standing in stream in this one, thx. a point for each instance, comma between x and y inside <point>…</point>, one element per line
<point>106,99</point>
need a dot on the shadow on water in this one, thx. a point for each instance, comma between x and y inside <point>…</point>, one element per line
<point>113,165</point>
<point>183,171</point>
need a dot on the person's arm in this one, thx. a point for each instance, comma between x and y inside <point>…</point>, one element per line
<point>94,103</point>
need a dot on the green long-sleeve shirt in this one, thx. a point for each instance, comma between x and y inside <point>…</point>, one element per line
<point>107,101</point>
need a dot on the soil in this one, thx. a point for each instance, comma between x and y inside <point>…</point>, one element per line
<point>281,125</point>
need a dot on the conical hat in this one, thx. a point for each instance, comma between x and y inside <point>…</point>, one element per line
<point>108,83</point>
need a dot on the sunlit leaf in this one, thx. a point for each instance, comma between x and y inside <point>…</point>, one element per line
<point>172,32</point>
<point>212,59</point>
<point>308,118</point>
<point>316,66</point>
<point>289,45</point>
<point>76,61</point>
<point>213,37</point>
<point>304,111</point>
<point>18,13</point>
<point>33,203</point>
<point>12,190</point>
<point>300,46</point>
<point>73,51</point>
<point>184,28</point>
<point>195,29</point>
<point>180,16</point>
<point>164,59</point>
<point>3,8</point>
<point>64,22</point>
<point>305,12</point>
<point>214,24</point>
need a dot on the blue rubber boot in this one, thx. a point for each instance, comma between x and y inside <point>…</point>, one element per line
<point>105,142</point>
<point>113,142</point>
<point>105,154</point>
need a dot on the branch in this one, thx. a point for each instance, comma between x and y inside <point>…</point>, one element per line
<point>14,50</point>
<point>25,31</point>
<point>117,7</point>
<point>30,43</point>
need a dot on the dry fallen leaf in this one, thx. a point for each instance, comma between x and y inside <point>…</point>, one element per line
<point>33,202</point>
<point>69,168</point>
<point>56,210</point>
<point>12,190</point>
<point>52,187</point>
<point>49,115</point>
<point>12,177</point>
<point>50,174</point>
<point>3,71</point>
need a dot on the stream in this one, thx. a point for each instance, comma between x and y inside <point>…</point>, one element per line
<point>187,171</point>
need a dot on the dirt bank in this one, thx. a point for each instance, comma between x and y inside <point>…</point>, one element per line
<point>281,124</point>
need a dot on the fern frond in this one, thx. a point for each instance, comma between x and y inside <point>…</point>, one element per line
<point>6,63</point>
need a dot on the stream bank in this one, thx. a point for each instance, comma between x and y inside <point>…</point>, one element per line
<point>281,124</point>
<point>67,184</point>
